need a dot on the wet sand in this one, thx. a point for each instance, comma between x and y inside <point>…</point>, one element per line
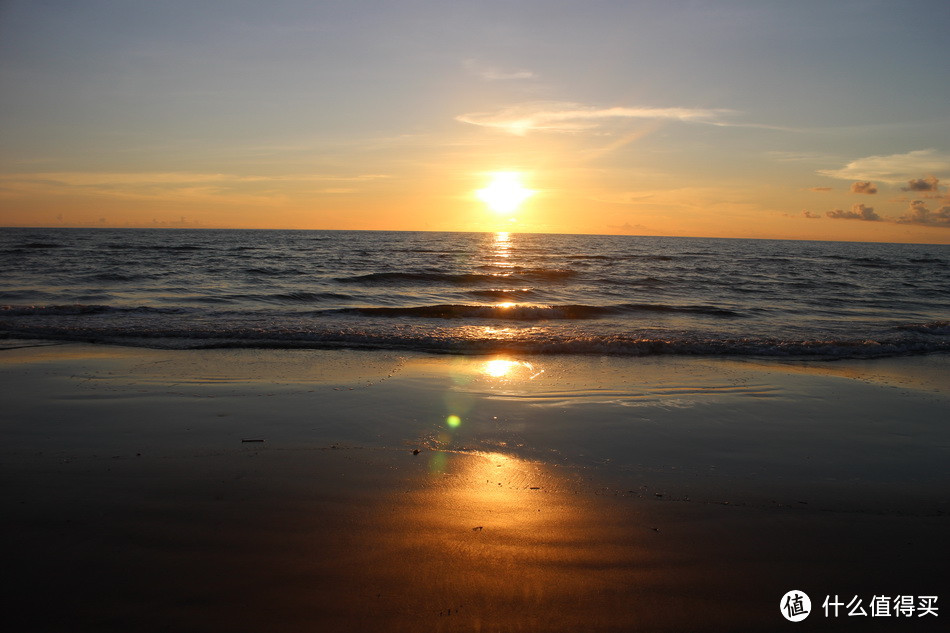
<point>573,494</point>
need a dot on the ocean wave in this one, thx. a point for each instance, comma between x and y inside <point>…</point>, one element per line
<point>500,312</point>
<point>80,309</point>
<point>41,245</point>
<point>607,258</point>
<point>502,293</point>
<point>864,262</point>
<point>448,292</point>
<point>307,297</point>
<point>654,258</point>
<point>449,340</point>
<point>178,247</point>
<point>13,295</point>
<point>272,271</point>
<point>113,275</point>
<point>663,308</point>
<point>634,282</point>
<point>524,312</point>
<point>457,279</point>
<point>416,278</point>
<point>505,312</point>
<point>933,327</point>
<point>127,246</point>
<point>625,257</point>
<point>431,251</point>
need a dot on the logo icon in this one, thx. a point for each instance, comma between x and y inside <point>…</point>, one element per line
<point>795,605</point>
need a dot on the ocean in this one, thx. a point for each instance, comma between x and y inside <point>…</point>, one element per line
<point>474,292</point>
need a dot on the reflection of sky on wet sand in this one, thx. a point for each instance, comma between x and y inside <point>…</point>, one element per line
<point>491,535</point>
<point>467,534</point>
<point>468,378</point>
<point>492,485</point>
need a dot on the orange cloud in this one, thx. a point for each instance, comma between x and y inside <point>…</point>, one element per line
<point>920,214</point>
<point>863,187</point>
<point>857,212</point>
<point>922,184</point>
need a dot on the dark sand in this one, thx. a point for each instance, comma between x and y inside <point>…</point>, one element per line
<point>576,494</point>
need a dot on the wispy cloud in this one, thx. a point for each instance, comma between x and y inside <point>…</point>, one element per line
<point>494,73</point>
<point>630,229</point>
<point>176,185</point>
<point>567,117</point>
<point>802,157</point>
<point>893,168</point>
<point>80,179</point>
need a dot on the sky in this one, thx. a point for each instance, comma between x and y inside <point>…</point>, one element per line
<point>756,119</point>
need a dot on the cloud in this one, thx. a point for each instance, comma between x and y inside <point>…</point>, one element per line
<point>820,189</point>
<point>917,213</point>
<point>565,117</point>
<point>857,212</point>
<point>633,229</point>
<point>117,179</point>
<point>863,187</point>
<point>893,168</point>
<point>810,215</point>
<point>492,73</point>
<point>921,184</point>
<point>800,157</point>
<point>181,186</point>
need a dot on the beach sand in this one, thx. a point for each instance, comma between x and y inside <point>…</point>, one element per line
<point>567,493</point>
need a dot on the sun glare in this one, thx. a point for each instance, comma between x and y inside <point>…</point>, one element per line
<point>499,368</point>
<point>510,369</point>
<point>505,193</point>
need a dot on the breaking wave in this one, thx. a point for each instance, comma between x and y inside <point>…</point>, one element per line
<point>426,278</point>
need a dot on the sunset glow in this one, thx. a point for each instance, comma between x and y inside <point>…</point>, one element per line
<point>315,116</point>
<point>505,193</point>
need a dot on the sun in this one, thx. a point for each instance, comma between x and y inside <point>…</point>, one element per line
<point>505,193</point>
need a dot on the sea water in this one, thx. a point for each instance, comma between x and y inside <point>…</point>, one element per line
<point>474,292</point>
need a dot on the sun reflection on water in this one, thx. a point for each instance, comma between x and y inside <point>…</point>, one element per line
<point>499,250</point>
<point>510,369</point>
<point>463,421</point>
<point>492,486</point>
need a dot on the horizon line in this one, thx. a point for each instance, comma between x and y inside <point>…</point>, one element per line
<point>224,228</point>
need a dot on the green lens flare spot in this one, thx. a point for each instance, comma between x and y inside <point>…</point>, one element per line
<point>453,421</point>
